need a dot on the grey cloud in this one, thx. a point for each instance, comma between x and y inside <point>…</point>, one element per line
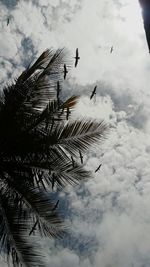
<point>124,104</point>
<point>116,198</point>
<point>10,3</point>
<point>139,118</point>
<point>28,51</point>
<point>109,215</point>
<point>57,12</point>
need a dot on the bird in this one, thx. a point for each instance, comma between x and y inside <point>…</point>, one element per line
<point>93,92</point>
<point>114,170</point>
<point>58,92</point>
<point>65,71</point>
<point>58,89</point>
<point>98,168</point>
<point>56,205</point>
<point>68,113</point>
<point>8,21</point>
<point>33,228</point>
<point>81,157</point>
<point>111,49</point>
<point>53,181</point>
<point>76,57</point>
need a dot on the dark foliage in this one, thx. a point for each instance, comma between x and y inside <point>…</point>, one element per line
<point>39,148</point>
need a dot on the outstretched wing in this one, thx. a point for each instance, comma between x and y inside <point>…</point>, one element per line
<point>76,62</point>
<point>65,71</point>
<point>98,168</point>
<point>76,57</point>
<point>93,92</point>
<point>77,52</point>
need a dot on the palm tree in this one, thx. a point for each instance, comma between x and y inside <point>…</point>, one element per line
<point>37,145</point>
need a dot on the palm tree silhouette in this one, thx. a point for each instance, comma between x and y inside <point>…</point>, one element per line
<point>37,146</point>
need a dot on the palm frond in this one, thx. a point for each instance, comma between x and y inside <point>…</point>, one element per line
<point>40,64</point>
<point>50,222</point>
<point>41,207</point>
<point>36,85</point>
<point>13,236</point>
<point>39,152</point>
<point>78,135</point>
<point>55,111</point>
<point>70,102</point>
<point>65,173</point>
<point>56,62</point>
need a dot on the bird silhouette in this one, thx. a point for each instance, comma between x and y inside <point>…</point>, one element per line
<point>76,57</point>
<point>33,228</point>
<point>93,92</point>
<point>8,21</point>
<point>114,170</point>
<point>98,168</point>
<point>58,89</point>
<point>68,113</point>
<point>56,205</point>
<point>65,71</point>
<point>53,181</point>
<point>111,49</point>
<point>81,157</point>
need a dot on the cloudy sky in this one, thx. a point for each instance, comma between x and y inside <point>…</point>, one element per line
<point>110,214</point>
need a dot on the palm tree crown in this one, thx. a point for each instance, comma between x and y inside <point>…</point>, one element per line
<point>37,145</point>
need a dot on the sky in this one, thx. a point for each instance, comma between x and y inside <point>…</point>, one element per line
<point>109,215</point>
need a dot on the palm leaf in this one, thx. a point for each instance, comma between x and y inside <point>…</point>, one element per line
<point>37,146</point>
<point>13,236</point>
<point>70,102</point>
<point>39,203</point>
<point>41,63</point>
<point>65,173</point>
<point>34,88</point>
<point>54,111</point>
<point>78,135</point>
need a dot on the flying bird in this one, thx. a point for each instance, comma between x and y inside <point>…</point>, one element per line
<point>58,93</point>
<point>145,4</point>
<point>93,92</point>
<point>98,168</point>
<point>81,157</point>
<point>68,113</point>
<point>58,89</point>
<point>111,49</point>
<point>33,228</point>
<point>8,21</point>
<point>76,57</point>
<point>114,170</point>
<point>56,205</point>
<point>53,181</point>
<point>65,71</point>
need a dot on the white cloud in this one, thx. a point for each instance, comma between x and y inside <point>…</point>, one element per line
<point>110,213</point>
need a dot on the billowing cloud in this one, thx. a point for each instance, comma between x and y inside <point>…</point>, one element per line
<point>109,215</point>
